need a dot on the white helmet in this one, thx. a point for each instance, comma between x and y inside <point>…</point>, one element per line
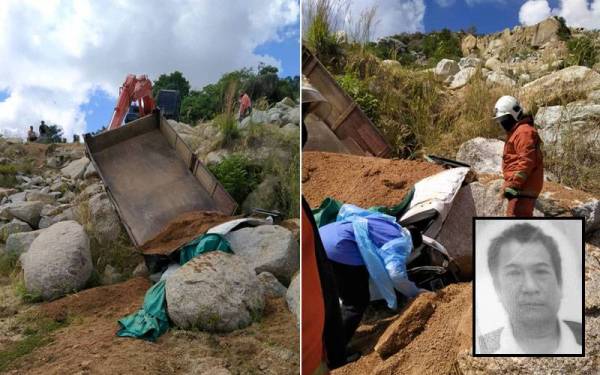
<point>508,105</point>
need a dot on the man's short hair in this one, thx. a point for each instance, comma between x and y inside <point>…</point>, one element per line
<point>524,233</point>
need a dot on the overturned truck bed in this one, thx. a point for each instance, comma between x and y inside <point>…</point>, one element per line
<point>153,177</point>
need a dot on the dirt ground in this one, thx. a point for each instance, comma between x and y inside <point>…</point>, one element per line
<point>88,345</point>
<point>363,181</point>
<point>182,230</point>
<point>432,350</point>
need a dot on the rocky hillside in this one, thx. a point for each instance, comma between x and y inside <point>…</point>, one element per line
<point>68,270</point>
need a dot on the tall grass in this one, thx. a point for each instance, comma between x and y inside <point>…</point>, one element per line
<point>227,121</point>
<point>321,20</point>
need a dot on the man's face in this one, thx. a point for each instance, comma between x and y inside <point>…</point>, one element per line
<point>527,283</point>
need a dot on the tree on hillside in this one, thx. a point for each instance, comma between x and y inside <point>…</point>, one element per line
<point>173,81</point>
<point>260,83</point>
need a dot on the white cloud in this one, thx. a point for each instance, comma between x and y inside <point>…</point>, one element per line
<point>577,13</point>
<point>534,11</point>
<point>393,16</point>
<point>56,53</point>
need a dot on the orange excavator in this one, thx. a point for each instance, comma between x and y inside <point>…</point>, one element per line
<point>139,89</point>
<point>135,88</point>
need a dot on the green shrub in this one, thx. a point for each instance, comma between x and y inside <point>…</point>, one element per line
<point>563,33</point>
<point>8,263</point>
<point>358,91</point>
<point>582,51</point>
<point>237,176</point>
<point>442,44</point>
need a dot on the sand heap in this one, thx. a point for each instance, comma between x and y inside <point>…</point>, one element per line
<point>360,180</point>
<point>182,230</point>
<point>426,338</point>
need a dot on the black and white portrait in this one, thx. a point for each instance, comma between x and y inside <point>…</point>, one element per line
<point>528,291</point>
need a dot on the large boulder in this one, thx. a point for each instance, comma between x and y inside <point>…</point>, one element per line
<point>19,243</point>
<point>293,297</point>
<point>104,219</point>
<point>14,226</point>
<point>28,212</point>
<point>545,31</point>
<point>469,62</point>
<point>269,248</point>
<point>484,155</point>
<point>446,68</point>
<point>554,120</point>
<point>463,77</point>
<point>486,199</point>
<point>58,261</point>
<point>468,45</point>
<point>215,292</point>
<point>76,168</point>
<point>568,81</point>
<point>257,117</point>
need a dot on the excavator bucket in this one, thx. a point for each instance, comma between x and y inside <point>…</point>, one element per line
<point>152,176</point>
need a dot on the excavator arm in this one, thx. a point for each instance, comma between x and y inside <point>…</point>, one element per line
<point>135,88</point>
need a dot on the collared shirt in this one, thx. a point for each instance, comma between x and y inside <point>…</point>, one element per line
<point>503,341</point>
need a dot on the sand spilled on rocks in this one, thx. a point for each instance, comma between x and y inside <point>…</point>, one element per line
<point>182,230</point>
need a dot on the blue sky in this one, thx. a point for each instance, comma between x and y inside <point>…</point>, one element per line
<point>487,16</point>
<point>69,57</point>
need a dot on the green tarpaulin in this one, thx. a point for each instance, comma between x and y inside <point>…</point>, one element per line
<point>327,212</point>
<point>151,321</point>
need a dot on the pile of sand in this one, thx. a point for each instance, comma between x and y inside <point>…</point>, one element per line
<point>360,180</point>
<point>426,338</point>
<point>182,230</point>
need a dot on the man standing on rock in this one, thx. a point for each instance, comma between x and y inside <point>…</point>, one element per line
<point>245,106</point>
<point>522,160</point>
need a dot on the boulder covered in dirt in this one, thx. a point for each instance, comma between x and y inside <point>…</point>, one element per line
<point>269,248</point>
<point>293,297</point>
<point>589,210</point>
<point>214,292</point>
<point>58,261</point>
<point>104,219</point>
<point>484,155</point>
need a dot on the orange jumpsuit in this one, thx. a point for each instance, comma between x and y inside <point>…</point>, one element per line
<point>523,168</point>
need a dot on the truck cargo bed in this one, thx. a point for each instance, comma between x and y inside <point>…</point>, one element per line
<point>153,177</point>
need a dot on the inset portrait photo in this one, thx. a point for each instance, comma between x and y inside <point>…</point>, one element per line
<point>529,287</point>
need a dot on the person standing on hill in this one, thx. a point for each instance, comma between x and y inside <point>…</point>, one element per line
<point>245,106</point>
<point>522,160</point>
